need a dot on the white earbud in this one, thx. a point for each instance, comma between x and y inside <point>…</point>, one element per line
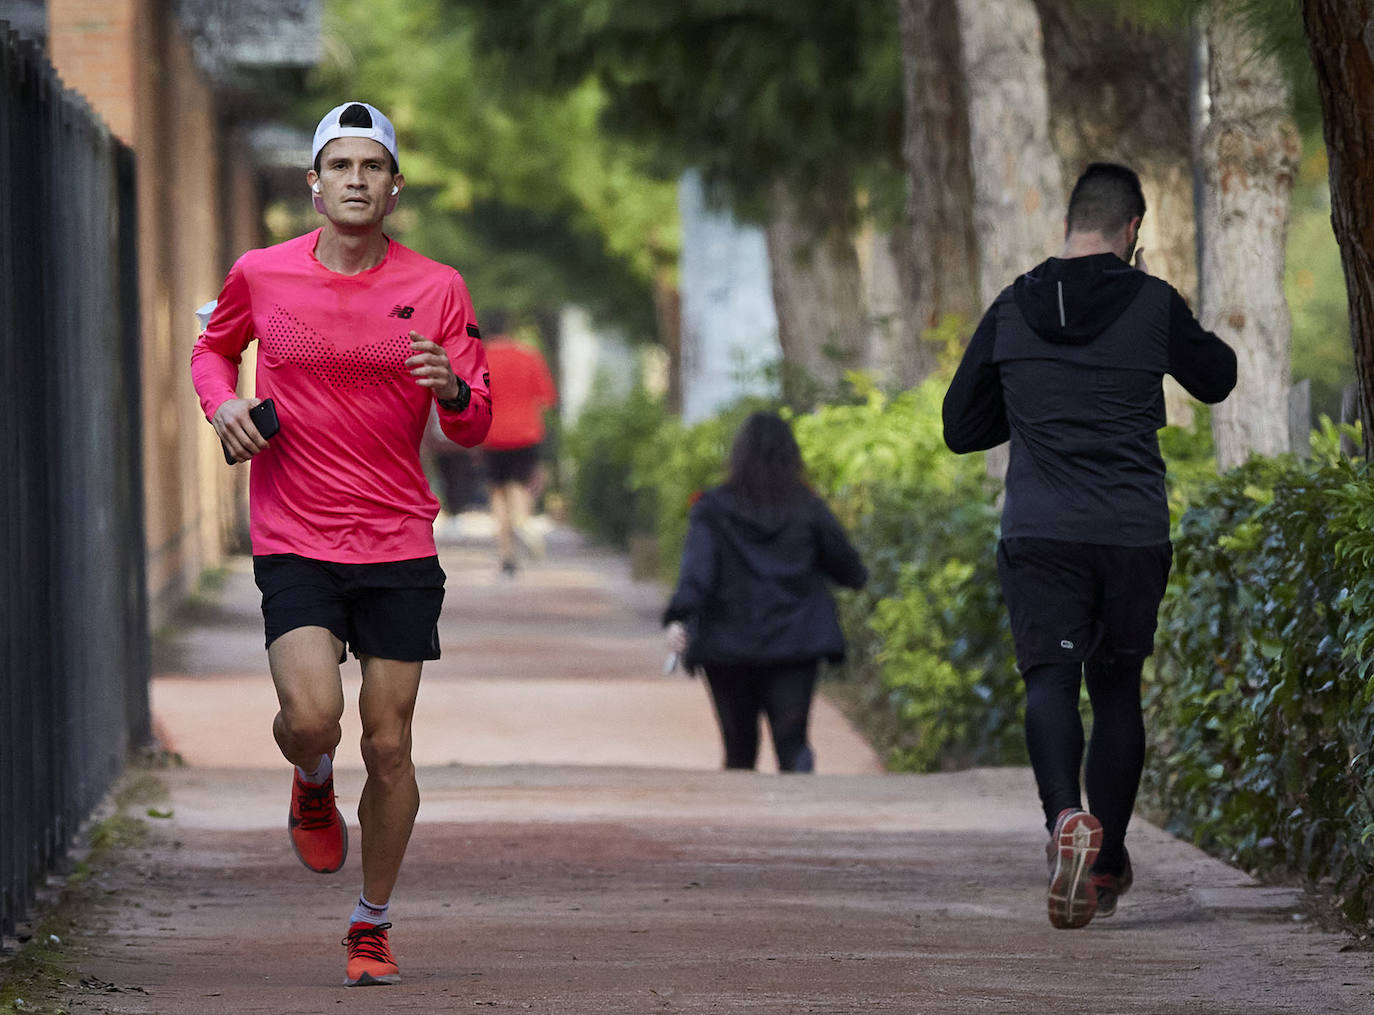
<point>395,191</point>
<point>316,188</point>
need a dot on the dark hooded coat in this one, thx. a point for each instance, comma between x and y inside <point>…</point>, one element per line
<point>1067,364</point>
<point>752,587</point>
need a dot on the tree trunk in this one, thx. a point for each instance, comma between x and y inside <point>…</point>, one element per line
<point>1249,156</point>
<point>1121,92</point>
<point>668,310</point>
<point>936,254</point>
<point>893,352</point>
<point>818,295</point>
<point>1343,54</point>
<point>1018,191</point>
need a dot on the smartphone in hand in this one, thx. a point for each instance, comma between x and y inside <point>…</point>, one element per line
<point>264,417</point>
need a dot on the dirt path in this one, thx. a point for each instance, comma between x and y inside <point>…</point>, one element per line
<point>578,852</point>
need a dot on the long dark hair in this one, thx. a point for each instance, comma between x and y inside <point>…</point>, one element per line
<point>766,464</point>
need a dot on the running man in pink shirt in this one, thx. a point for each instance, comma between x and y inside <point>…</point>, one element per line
<point>357,337</point>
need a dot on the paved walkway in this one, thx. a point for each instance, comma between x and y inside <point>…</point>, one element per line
<point>578,852</point>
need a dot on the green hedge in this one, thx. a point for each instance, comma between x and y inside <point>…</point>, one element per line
<point>930,650</point>
<point>1260,710</point>
<point>602,447</point>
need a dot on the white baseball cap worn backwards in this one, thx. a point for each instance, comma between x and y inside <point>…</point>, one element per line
<point>355,119</point>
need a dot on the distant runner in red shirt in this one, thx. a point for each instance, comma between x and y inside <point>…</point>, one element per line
<point>522,382</point>
<point>357,337</point>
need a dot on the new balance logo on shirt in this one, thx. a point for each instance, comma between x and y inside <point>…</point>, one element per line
<point>403,312</point>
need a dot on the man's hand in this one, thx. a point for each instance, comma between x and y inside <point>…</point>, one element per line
<point>236,429</point>
<point>431,369</point>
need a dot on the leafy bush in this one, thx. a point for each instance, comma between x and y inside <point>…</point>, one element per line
<point>603,446</point>
<point>678,462</point>
<point>929,640</point>
<point>1260,708</point>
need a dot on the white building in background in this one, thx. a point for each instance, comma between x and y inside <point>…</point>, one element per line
<point>594,366</point>
<point>729,328</point>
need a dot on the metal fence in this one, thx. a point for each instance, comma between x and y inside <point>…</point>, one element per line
<point>74,647</point>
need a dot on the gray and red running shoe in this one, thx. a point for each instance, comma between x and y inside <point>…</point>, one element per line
<point>1110,888</point>
<point>1072,848</point>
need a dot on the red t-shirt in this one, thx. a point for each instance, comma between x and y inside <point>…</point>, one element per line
<point>520,378</point>
<point>342,480</point>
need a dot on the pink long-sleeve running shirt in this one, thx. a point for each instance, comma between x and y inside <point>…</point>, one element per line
<point>342,480</point>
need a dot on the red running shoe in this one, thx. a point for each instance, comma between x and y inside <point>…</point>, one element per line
<point>370,962</point>
<point>319,834</point>
<point>1071,851</point>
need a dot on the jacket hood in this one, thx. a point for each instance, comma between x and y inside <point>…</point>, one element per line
<point>746,520</point>
<point>1073,300</point>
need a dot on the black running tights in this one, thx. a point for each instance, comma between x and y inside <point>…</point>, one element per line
<point>783,693</point>
<point>1116,753</point>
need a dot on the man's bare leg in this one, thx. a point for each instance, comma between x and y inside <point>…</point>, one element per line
<point>305,670</point>
<point>520,500</point>
<point>505,531</point>
<point>390,798</point>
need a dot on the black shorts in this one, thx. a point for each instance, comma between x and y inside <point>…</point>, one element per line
<point>389,610</point>
<point>1071,601</point>
<point>515,465</point>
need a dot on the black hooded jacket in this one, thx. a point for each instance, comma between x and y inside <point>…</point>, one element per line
<point>1067,364</point>
<point>752,587</point>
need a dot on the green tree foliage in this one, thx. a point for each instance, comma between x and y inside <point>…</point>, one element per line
<point>522,191</point>
<point>752,92</point>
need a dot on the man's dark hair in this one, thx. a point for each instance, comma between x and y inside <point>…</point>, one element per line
<point>766,464</point>
<point>355,115</point>
<point>1105,198</point>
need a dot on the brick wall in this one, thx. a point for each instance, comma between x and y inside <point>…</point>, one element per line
<point>88,43</point>
<point>132,63</point>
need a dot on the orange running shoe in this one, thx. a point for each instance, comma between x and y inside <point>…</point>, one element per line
<point>319,834</point>
<point>1072,848</point>
<point>370,962</point>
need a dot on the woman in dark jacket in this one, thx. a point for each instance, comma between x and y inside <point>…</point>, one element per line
<point>751,607</point>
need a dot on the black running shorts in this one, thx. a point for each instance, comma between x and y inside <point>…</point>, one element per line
<point>389,610</point>
<point>515,465</point>
<point>1071,601</point>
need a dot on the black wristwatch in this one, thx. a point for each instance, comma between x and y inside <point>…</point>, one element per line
<point>461,402</point>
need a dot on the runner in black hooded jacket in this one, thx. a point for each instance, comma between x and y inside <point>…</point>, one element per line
<point>1067,364</point>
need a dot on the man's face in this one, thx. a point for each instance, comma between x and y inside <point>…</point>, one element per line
<point>354,181</point>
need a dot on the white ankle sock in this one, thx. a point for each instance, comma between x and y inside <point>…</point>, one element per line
<point>366,912</point>
<point>322,771</point>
